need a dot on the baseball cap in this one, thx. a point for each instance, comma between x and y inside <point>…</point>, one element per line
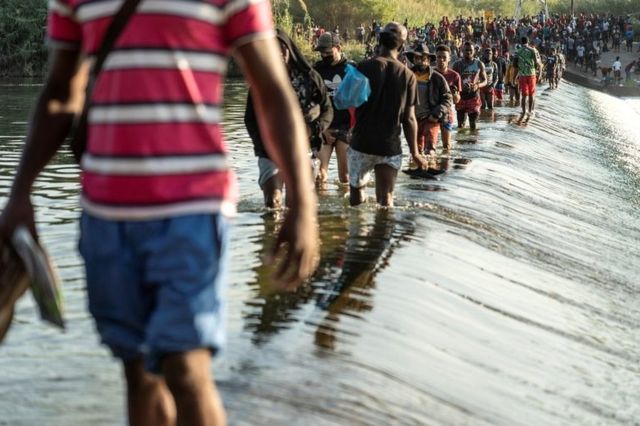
<point>327,41</point>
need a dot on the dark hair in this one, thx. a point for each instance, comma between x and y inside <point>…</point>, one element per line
<point>524,40</point>
<point>391,40</point>
<point>443,48</point>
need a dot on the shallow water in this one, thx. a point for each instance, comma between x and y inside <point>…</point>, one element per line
<point>503,292</point>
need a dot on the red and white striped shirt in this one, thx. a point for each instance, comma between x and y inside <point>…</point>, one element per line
<point>155,145</point>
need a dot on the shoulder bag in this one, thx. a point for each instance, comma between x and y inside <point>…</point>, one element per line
<point>78,142</point>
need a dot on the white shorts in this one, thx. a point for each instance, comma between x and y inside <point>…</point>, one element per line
<point>268,169</point>
<point>361,165</point>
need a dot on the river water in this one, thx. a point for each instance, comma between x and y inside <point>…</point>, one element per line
<point>505,292</point>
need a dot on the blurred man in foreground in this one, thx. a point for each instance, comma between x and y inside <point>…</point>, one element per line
<point>157,188</point>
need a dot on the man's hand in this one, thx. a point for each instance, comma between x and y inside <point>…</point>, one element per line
<point>329,136</point>
<point>298,243</point>
<point>420,161</point>
<point>18,211</point>
<point>286,141</point>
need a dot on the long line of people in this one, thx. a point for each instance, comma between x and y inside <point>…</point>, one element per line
<point>447,84</point>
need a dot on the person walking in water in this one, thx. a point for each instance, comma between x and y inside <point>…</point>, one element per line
<point>157,186</point>
<point>332,68</point>
<point>529,64</point>
<point>551,68</point>
<point>434,99</point>
<point>443,58</point>
<point>390,109</point>
<point>315,104</point>
<point>474,78</point>
<point>487,93</point>
<point>511,81</point>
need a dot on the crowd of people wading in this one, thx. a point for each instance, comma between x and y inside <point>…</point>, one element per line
<point>427,81</point>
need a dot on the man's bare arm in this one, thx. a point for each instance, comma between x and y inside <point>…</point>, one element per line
<point>483,77</point>
<point>410,129</point>
<point>59,101</point>
<point>285,137</point>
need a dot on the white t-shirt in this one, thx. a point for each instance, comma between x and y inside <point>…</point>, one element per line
<point>617,66</point>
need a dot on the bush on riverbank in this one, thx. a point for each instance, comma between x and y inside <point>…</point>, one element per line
<point>22,22</point>
<point>22,49</point>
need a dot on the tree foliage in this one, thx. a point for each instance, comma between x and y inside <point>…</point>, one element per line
<point>346,14</point>
<point>22,25</point>
<point>22,22</point>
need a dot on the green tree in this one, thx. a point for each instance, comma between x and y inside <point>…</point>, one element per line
<point>348,14</point>
<point>22,49</point>
<point>419,12</point>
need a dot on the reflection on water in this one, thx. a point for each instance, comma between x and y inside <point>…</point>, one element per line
<point>501,289</point>
<point>366,251</point>
<point>353,252</point>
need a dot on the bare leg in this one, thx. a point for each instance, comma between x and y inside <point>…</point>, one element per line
<point>461,117</point>
<point>446,139</point>
<point>490,100</point>
<point>473,119</point>
<point>188,376</point>
<point>341,157</point>
<point>272,190</point>
<point>148,398</point>
<point>356,195</point>
<point>325,156</point>
<point>524,104</point>
<point>385,182</point>
<point>532,103</point>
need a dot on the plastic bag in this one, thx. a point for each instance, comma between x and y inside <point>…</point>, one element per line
<point>353,91</point>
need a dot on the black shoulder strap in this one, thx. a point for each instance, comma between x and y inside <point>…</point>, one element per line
<point>116,26</point>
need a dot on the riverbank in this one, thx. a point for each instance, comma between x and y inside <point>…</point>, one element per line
<point>576,75</point>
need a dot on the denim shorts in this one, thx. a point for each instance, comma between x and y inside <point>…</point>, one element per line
<point>156,287</point>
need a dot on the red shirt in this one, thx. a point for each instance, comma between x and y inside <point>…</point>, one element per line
<point>155,146</point>
<point>453,79</point>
